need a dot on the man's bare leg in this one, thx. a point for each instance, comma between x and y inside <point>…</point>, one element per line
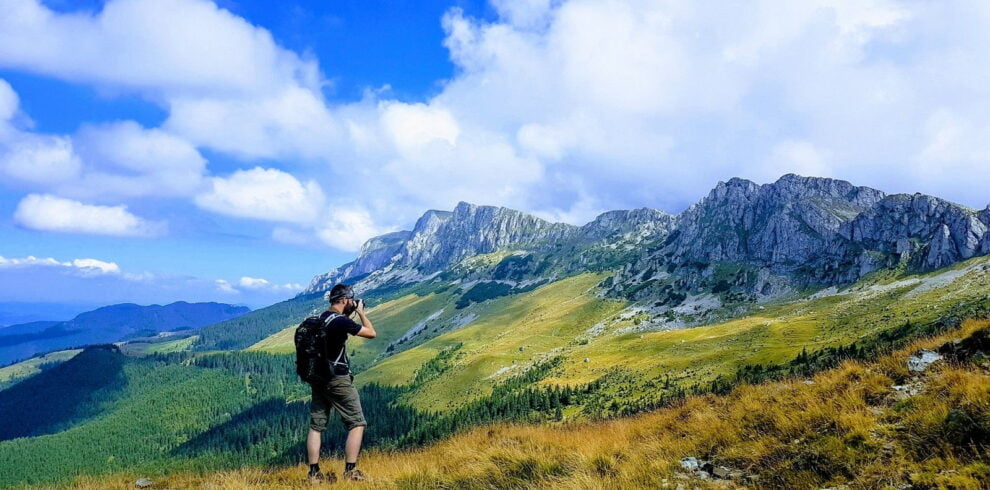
<point>313,446</point>
<point>353,445</point>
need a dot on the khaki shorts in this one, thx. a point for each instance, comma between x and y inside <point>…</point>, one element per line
<point>339,394</point>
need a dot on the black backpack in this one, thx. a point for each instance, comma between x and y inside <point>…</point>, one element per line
<point>312,364</point>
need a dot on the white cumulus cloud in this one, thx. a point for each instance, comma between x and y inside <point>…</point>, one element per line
<point>411,126</point>
<point>39,159</point>
<point>83,267</point>
<point>347,228</point>
<point>226,83</point>
<point>125,159</point>
<point>263,284</point>
<point>159,47</point>
<point>265,194</point>
<point>98,265</point>
<point>121,159</point>
<point>9,101</point>
<point>291,122</point>
<point>225,287</point>
<point>50,213</point>
<point>253,282</point>
<point>562,108</point>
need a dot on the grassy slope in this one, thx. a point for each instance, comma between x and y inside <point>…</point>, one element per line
<point>775,334</point>
<point>392,319</point>
<point>541,321</point>
<point>554,319</point>
<point>164,347</point>
<point>778,332</point>
<point>32,366</point>
<point>551,317</point>
<point>514,331</point>
<point>178,345</point>
<point>846,427</point>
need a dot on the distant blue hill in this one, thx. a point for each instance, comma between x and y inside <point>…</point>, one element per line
<point>19,312</point>
<point>109,324</point>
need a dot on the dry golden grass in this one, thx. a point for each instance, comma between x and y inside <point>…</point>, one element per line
<point>847,427</point>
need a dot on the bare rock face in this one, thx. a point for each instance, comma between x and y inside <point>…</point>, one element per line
<point>636,225</point>
<point>985,218</point>
<point>788,222</point>
<point>441,239</point>
<point>802,231</point>
<point>941,232</point>
<point>920,361</point>
<point>375,254</point>
<point>775,236</point>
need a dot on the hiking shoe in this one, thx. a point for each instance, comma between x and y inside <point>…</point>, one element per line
<point>319,477</point>
<point>355,475</point>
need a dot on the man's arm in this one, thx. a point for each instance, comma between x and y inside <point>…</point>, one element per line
<point>367,329</point>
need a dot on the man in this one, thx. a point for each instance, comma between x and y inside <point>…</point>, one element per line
<point>334,388</point>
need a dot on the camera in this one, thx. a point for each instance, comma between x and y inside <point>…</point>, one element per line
<point>351,309</point>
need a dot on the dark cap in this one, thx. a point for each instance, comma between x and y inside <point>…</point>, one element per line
<point>339,292</point>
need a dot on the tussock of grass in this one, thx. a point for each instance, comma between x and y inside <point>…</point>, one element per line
<point>846,427</point>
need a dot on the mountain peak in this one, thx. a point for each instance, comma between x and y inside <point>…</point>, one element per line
<point>430,219</point>
<point>464,209</point>
<point>442,238</point>
<point>792,177</point>
<point>737,182</point>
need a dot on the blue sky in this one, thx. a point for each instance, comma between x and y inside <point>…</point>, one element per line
<point>371,43</point>
<point>230,150</point>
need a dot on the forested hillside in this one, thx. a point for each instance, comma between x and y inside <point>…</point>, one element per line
<point>245,330</point>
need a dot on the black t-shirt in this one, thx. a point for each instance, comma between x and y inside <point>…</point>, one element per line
<point>336,335</point>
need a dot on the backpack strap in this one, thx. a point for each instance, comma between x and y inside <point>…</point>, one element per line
<point>343,348</point>
<point>333,315</point>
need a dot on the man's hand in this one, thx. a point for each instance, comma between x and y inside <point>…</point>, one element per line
<point>367,329</point>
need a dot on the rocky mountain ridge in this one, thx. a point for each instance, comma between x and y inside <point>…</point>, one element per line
<point>743,242</point>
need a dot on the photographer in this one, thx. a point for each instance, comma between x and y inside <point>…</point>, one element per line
<point>333,382</point>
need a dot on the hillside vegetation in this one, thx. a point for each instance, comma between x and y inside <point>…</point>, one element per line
<point>167,412</point>
<point>593,338</point>
<point>241,332</point>
<point>853,425</point>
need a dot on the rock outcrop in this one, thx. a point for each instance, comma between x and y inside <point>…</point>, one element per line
<point>787,222</point>
<point>634,226</point>
<point>940,231</point>
<point>442,238</point>
<point>376,253</point>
